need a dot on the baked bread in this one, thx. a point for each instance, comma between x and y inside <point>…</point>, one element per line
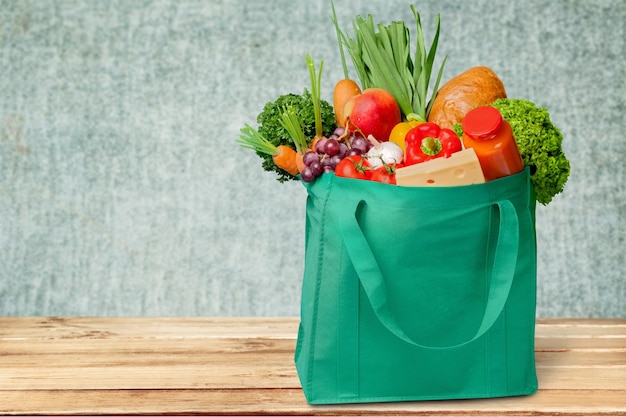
<point>478,86</point>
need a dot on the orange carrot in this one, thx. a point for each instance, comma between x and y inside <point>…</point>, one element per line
<point>345,90</point>
<point>287,159</point>
<point>299,161</point>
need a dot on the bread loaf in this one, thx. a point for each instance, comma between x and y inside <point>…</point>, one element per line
<point>478,86</point>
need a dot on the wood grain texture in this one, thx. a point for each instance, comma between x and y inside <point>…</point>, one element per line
<point>217,366</point>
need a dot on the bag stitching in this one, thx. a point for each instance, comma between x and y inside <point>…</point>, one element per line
<point>530,390</point>
<point>320,263</point>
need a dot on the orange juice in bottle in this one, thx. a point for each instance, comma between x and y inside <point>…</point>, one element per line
<point>491,136</point>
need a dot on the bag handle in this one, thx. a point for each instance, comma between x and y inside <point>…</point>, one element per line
<point>371,278</point>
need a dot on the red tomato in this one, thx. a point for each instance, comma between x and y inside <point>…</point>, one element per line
<point>384,174</point>
<point>353,167</point>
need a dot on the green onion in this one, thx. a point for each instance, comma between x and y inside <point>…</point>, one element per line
<point>381,57</point>
<point>293,124</point>
<point>339,41</point>
<point>315,94</point>
<point>251,139</point>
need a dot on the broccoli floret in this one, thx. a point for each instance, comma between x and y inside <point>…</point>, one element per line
<point>271,128</point>
<point>539,143</point>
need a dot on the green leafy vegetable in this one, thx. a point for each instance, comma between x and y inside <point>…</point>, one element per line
<point>539,142</point>
<point>383,59</point>
<point>270,124</point>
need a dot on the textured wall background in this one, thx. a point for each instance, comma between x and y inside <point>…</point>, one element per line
<point>122,191</point>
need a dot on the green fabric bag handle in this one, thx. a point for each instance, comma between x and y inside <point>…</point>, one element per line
<point>371,278</point>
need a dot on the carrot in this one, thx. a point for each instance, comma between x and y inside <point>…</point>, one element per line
<point>345,90</point>
<point>287,159</point>
<point>283,156</point>
<point>300,161</point>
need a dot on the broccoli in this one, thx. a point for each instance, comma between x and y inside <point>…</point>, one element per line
<point>271,128</point>
<point>539,143</point>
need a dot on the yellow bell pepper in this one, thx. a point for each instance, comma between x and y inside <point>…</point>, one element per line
<point>399,131</point>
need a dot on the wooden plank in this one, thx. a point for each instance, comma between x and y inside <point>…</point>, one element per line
<point>248,370</point>
<point>292,402</point>
<point>147,327</point>
<point>582,378</point>
<point>240,326</point>
<point>551,343</point>
<point>589,334</point>
<point>237,375</point>
<point>51,353</point>
<point>182,375</point>
<point>142,364</point>
<point>581,359</point>
<point>244,327</point>
<point>23,349</point>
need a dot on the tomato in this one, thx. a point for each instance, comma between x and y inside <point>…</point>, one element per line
<point>384,174</point>
<point>353,167</point>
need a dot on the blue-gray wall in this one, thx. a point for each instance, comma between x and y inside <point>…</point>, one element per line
<point>122,191</point>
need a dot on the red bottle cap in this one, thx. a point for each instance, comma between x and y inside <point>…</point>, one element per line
<point>482,122</point>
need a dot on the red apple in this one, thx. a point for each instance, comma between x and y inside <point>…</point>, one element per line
<point>374,112</point>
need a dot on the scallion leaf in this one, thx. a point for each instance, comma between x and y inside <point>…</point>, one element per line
<point>381,58</point>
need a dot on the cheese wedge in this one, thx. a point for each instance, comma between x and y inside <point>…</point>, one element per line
<point>461,168</point>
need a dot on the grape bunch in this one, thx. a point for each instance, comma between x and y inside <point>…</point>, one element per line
<point>330,151</point>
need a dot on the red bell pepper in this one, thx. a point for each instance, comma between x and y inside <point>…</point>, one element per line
<point>428,141</point>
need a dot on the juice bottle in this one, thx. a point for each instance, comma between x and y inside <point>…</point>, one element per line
<point>491,136</point>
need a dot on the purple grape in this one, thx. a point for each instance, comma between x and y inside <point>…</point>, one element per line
<point>332,147</point>
<point>334,160</point>
<point>360,143</point>
<point>354,152</point>
<point>343,149</point>
<point>328,169</point>
<point>307,175</point>
<point>310,157</point>
<point>339,131</point>
<point>321,145</point>
<point>325,161</point>
<point>316,168</point>
<point>333,136</point>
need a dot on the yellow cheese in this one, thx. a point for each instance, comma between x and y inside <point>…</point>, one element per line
<point>461,168</point>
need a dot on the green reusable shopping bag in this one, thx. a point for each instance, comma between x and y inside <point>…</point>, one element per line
<point>417,293</point>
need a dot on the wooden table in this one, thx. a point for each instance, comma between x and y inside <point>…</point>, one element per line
<point>239,366</point>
